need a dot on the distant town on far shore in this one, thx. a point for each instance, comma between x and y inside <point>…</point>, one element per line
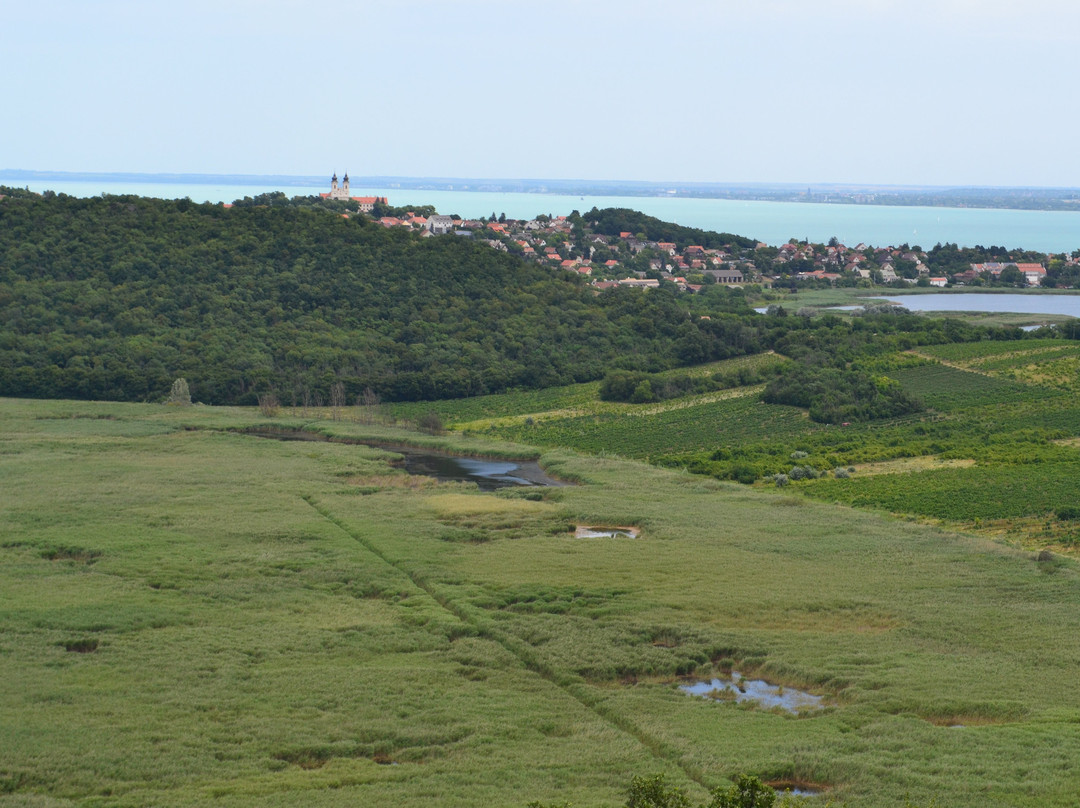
<point>1018,198</point>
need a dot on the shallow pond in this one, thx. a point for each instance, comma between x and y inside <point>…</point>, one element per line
<point>795,790</point>
<point>597,532</point>
<point>767,695</point>
<point>488,473</point>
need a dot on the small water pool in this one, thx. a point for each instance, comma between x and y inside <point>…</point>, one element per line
<point>598,532</point>
<point>769,696</point>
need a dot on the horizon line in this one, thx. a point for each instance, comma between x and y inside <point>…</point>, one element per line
<point>298,179</point>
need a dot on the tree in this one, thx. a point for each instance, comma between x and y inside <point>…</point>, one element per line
<point>268,405</point>
<point>337,399</point>
<point>180,395</point>
<point>368,402</point>
<point>1012,276</point>
<point>643,393</point>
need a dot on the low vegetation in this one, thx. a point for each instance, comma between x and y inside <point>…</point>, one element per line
<point>211,616</point>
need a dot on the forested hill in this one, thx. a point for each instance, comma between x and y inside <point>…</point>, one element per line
<point>114,297</point>
<point>612,221</point>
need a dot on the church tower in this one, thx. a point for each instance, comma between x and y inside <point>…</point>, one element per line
<point>333,183</point>
<point>346,180</point>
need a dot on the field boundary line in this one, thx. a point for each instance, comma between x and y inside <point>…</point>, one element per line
<point>572,686</point>
<point>950,364</point>
<point>613,408</point>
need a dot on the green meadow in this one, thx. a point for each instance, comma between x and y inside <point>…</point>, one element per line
<point>191,615</point>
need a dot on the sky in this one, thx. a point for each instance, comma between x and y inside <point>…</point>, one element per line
<point>902,92</point>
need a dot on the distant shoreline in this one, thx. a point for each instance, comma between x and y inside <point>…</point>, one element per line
<point>1011,198</point>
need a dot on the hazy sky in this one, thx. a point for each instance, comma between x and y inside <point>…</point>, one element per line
<point>864,91</point>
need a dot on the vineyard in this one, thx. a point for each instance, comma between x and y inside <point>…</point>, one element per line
<point>1049,363</point>
<point>651,431</point>
<point>963,494</point>
<point>990,441</point>
<point>947,389</point>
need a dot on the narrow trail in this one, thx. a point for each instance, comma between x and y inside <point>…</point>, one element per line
<point>948,364</point>
<point>570,685</point>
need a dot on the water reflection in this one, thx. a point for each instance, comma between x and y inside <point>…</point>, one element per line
<point>768,696</point>
<point>488,473</point>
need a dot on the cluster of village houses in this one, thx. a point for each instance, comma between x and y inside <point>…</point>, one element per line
<point>548,240</point>
<point>630,260</point>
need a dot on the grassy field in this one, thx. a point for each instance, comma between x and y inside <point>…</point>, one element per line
<point>190,615</point>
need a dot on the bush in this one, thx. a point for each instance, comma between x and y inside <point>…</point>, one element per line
<point>619,385</point>
<point>1067,513</point>
<point>781,480</point>
<point>269,405</point>
<point>653,792</point>
<point>431,423</point>
<point>643,394</point>
<point>747,792</point>
<point>838,395</point>
<point>743,473</point>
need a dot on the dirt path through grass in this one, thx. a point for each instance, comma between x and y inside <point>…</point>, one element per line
<point>568,683</point>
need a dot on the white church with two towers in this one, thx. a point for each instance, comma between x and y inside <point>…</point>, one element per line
<point>367,203</point>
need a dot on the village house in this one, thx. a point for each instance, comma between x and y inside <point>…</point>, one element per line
<point>727,276</point>
<point>439,224</point>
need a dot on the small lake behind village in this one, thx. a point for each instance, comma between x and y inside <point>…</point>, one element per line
<point>1068,305</point>
<point>991,302</point>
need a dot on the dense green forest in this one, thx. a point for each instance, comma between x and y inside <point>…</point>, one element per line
<point>114,297</point>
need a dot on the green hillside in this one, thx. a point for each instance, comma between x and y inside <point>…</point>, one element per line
<point>113,298</point>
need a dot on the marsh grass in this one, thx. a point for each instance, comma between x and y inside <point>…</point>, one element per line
<point>267,636</point>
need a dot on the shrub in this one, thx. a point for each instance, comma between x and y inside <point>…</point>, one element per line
<point>841,474</point>
<point>269,405</point>
<point>431,423</point>
<point>1067,513</point>
<point>619,385</point>
<point>743,473</point>
<point>747,792</point>
<point>781,480</point>
<point>653,792</point>
<point>643,393</point>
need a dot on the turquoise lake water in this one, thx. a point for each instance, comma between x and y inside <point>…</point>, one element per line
<point>771,222</point>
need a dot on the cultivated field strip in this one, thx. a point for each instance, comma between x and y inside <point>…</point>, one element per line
<point>577,690</point>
